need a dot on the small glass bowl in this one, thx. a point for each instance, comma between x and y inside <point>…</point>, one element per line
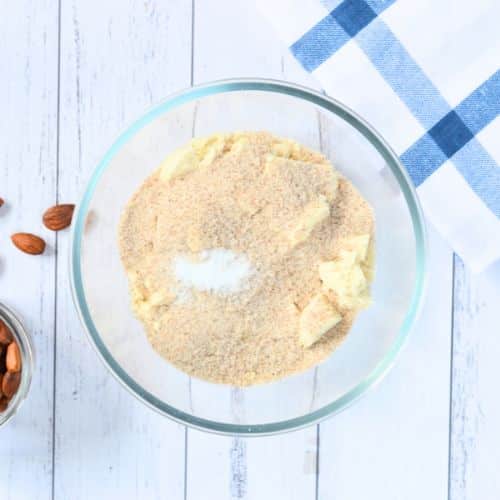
<point>357,150</point>
<point>24,342</point>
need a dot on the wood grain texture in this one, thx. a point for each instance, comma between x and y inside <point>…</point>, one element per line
<point>475,409</point>
<point>114,65</point>
<point>28,137</point>
<point>275,467</point>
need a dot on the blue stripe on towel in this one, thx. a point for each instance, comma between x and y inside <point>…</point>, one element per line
<point>482,106</point>
<point>319,43</point>
<point>334,30</point>
<point>422,159</point>
<point>452,137</point>
<point>450,132</point>
<point>402,73</point>
<point>353,16</point>
<point>481,172</point>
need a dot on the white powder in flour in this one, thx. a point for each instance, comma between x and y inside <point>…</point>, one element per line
<point>218,271</point>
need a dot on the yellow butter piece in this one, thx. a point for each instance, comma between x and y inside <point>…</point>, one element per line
<point>271,164</point>
<point>345,278</point>
<point>238,144</point>
<point>198,153</point>
<point>359,245</point>
<point>143,299</point>
<point>283,149</point>
<point>161,298</point>
<point>144,307</point>
<point>368,265</point>
<point>317,318</point>
<point>314,213</point>
<point>178,163</point>
<point>209,149</point>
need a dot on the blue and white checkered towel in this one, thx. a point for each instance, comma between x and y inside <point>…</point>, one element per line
<point>426,74</point>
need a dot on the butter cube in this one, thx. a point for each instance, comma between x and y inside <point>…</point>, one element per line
<point>317,318</point>
<point>178,164</point>
<point>345,278</point>
<point>199,153</point>
<point>314,213</point>
<point>359,245</point>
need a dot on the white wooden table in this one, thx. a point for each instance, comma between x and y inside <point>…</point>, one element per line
<point>73,74</point>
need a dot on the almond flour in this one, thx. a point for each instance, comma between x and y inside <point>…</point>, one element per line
<point>223,246</point>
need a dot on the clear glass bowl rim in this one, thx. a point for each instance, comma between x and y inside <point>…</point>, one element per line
<point>405,184</point>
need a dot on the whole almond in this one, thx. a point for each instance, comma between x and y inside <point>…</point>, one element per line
<point>28,243</point>
<point>1,202</point>
<point>58,217</point>
<point>3,355</point>
<point>4,402</point>
<point>10,383</point>
<point>13,359</point>
<point>5,333</point>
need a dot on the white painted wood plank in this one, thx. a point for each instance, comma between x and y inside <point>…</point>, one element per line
<point>475,412</point>
<point>117,58</point>
<point>231,40</point>
<point>393,444</point>
<point>28,102</point>
<point>263,468</point>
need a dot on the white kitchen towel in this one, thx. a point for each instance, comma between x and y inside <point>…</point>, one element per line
<point>425,73</point>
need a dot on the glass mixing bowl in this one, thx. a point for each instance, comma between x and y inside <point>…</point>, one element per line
<point>357,150</point>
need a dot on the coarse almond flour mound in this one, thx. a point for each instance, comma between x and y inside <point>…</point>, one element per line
<point>248,257</point>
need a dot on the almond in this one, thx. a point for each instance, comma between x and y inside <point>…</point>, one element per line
<point>13,359</point>
<point>58,217</point>
<point>3,355</point>
<point>28,243</point>
<point>1,202</point>
<point>1,378</point>
<point>4,402</point>
<point>10,383</point>
<point>5,334</point>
